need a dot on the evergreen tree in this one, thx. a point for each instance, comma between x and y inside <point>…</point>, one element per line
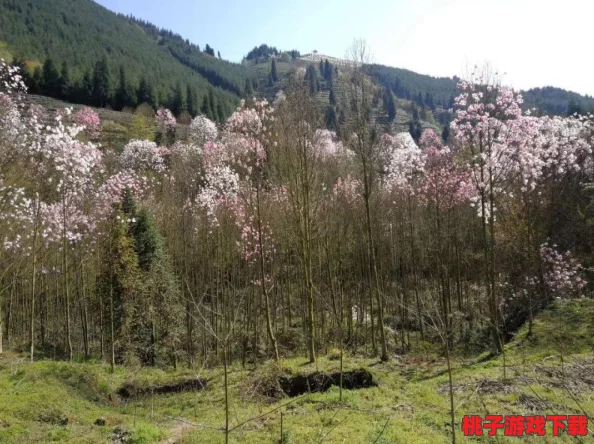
<point>322,66</point>
<point>205,109</point>
<point>122,95</point>
<point>415,113</point>
<point>445,134</point>
<point>37,81</point>
<point>50,79</point>
<point>144,94</point>
<point>420,100</point>
<point>177,101</point>
<point>273,72</point>
<point>190,103</point>
<point>208,50</point>
<point>311,75</point>
<point>100,94</point>
<point>219,54</point>
<point>212,102</point>
<point>160,299</point>
<point>249,90</point>
<point>84,90</point>
<point>390,105</point>
<point>270,80</point>
<point>331,119</point>
<point>65,87</point>
<point>328,71</point>
<point>119,285</point>
<point>332,97</point>
<point>221,111</point>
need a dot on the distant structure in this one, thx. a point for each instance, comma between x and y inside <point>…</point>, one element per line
<point>316,57</point>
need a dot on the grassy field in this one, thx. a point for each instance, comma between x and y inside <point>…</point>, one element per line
<point>549,372</point>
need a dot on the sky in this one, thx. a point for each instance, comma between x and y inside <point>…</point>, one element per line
<point>530,42</point>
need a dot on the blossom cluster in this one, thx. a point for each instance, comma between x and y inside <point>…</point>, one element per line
<point>142,155</point>
<point>562,273</point>
<point>165,120</point>
<point>90,120</point>
<point>202,130</point>
<point>403,160</point>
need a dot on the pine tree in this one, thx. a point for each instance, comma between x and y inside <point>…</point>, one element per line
<point>190,104</point>
<point>205,109</point>
<point>101,83</point>
<point>332,97</point>
<point>119,285</point>
<point>390,105</point>
<point>65,87</point>
<point>177,101</point>
<point>273,72</point>
<point>322,66</point>
<point>221,111</point>
<point>445,134</point>
<point>122,95</point>
<point>249,90</point>
<point>212,102</point>
<point>160,299</point>
<point>37,81</point>
<point>331,122</point>
<point>144,94</point>
<point>50,79</point>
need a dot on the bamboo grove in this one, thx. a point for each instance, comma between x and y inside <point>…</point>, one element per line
<point>270,236</point>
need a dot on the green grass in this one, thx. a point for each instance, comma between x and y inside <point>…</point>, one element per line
<point>548,372</point>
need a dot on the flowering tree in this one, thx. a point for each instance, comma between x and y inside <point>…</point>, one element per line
<point>202,130</point>
<point>89,119</point>
<point>166,124</point>
<point>143,155</point>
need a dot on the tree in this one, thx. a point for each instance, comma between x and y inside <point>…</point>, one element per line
<point>311,75</point>
<point>206,109</point>
<point>273,73</point>
<point>208,50</point>
<point>122,96</point>
<point>445,134</point>
<point>177,100</point>
<point>248,90</point>
<point>100,95</point>
<point>50,79</point>
<point>219,54</point>
<point>144,93</point>
<point>365,145</point>
<point>332,97</point>
<point>64,83</point>
<point>390,105</point>
<point>331,122</point>
<point>190,101</point>
<point>212,103</point>
<point>120,285</point>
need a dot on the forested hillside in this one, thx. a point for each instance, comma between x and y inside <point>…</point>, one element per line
<point>96,55</point>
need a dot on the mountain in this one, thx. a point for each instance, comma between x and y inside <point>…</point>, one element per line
<point>81,32</point>
<point>426,90</point>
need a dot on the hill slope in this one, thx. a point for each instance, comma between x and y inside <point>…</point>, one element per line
<point>81,32</point>
<point>548,373</point>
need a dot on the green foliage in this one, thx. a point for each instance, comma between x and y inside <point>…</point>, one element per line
<point>85,33</point>
<point>119,283</point>
<point>142,127</point>
<point>273,73</point>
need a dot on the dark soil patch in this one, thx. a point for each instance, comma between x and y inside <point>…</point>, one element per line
<point>320,382</point>
<point>190,385</point>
